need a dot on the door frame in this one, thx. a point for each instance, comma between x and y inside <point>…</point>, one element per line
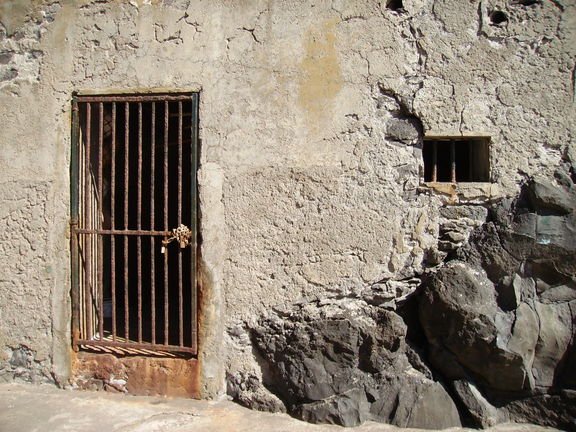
<point>76,230</point>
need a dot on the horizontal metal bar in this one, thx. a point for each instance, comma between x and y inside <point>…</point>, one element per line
<point>178,115</point>
<point>134,98</point>
<point>124,232</point>
<point>153,347</point>
<point>463,137</point>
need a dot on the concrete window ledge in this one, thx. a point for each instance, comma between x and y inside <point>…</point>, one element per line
<point>463,193</point>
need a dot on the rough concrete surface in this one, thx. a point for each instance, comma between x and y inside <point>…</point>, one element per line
<point>311,175</point>
<point>25,408</point>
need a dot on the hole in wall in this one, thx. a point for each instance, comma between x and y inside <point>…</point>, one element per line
<point>525,2</point>
<point>498,17</point>
<point>395,5</point>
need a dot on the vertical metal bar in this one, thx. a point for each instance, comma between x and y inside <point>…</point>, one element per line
<point>126,242</point>
<point>94,254</point>
<point>100,208</point>
<point>87,251</point>
<point>193,217</point>
<point>81,224</point>
<point>81,238</point>
<point>435,161</point>
<point>74,214</point>
<point>139,223</point>
<point>152,227</point>
<point>166,308</point>
<point>112,220</point>
<point>452,161</point>
<point>471,160</point>
<point>180,294</point>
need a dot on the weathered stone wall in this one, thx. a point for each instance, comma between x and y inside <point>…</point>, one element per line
<point>312,117</point>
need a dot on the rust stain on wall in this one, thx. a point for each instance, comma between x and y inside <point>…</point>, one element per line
<point>136,375</point>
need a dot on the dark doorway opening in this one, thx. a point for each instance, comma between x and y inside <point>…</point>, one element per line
<point>135,183</point>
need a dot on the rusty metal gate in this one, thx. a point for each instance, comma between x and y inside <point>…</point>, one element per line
<point>133,223</point>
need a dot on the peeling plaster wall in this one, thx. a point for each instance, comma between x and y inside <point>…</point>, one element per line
<point>312,115</point>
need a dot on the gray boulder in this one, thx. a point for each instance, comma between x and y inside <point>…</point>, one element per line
<point>249,392</point>
<point>501,313</point>
<point>460,315</point>
<point>345,361</point>
<point>429,407</point>
<point>556,334</point>
<point>482,412</point>
<point>405,129</point>
<point>556,410</point>
<point>546,196</point>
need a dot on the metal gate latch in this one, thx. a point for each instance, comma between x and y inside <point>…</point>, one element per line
<point>182,235</point>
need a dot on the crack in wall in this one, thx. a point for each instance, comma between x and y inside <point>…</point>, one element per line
<point>573,83</point>
<point>252,33</point>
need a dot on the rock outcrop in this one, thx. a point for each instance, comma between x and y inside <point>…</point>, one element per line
<point>344,361</point>
<point>501,313</point>
<point>488,337</point>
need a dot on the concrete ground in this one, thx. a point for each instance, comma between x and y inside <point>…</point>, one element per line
<point>28,408</point>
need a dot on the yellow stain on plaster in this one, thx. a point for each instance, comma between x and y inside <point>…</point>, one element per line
<point>321,77</point>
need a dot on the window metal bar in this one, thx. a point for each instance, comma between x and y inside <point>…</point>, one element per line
<point>193,218</point>
<point>81,222</point>
<point>452,161</point>
<point>112,220</point>
<point>93,266</point>
<point>129,344</point>
<point>74,213</point>
<point>100,208</point>
<point>166,308</point>
<point>126,211</point>
<point>180,296</point>
<point>152,242</point>
<point>435,161</point>
<point>134,98</point>
<point>124,232</point>
<point>87,213</point>
<point>139,223</point>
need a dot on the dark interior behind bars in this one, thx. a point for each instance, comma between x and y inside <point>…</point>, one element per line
<point>142,176</point>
